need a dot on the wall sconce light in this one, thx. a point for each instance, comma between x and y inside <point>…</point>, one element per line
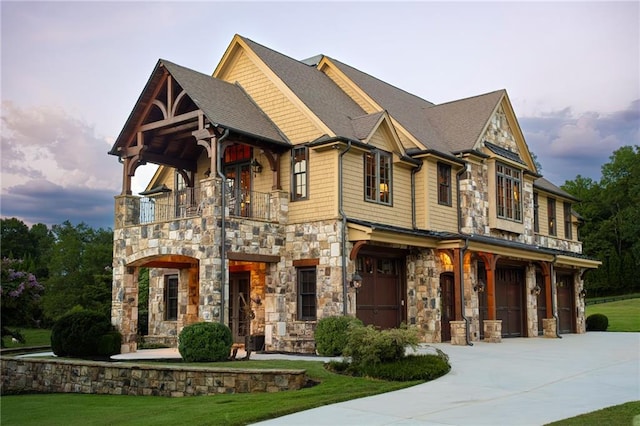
<point>583,293</point>
<point>445,260</point>
<point>255,166</point>
<point>256,300</point>
<point>480,286</point>
<point>536,290</point>
<point>356,281</point>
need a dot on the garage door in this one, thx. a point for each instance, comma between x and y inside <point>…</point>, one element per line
<point>379,301</point>
<point>510,286</point>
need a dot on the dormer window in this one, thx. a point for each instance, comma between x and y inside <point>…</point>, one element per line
<point>508,192</point>
<point>299,174</point>
<point>377,177</point>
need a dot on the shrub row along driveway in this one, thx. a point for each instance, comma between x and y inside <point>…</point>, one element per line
<point>516,382</point>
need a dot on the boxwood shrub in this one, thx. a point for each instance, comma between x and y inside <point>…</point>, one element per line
<point>205,342</point>
<point>84,333</point>
<point>409,368</point>
<point>597,322</point>
<point>331,334</point>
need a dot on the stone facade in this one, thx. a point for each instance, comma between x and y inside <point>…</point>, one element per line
<point>63,376</point>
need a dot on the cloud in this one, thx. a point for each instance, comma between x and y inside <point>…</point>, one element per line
<point>54,168</point>
<point>568,145</point>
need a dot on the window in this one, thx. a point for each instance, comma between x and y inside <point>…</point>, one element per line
<point>171,297</point>
<point>377,177</point>
<point>508,189</point>
<point>568,234</point>
<point>551,210</point>
<point>536,218</point>
<point>444,184</point>
<point>306,293</point>
<point>299,174</point>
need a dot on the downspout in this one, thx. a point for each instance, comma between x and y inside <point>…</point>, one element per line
<point>554,295</point>
<point>414,172</point>
<point>461,260</point>
<point>344,230</point>
<point>223,222</point>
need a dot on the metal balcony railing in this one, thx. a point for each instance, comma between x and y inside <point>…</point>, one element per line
<point>250,204</point>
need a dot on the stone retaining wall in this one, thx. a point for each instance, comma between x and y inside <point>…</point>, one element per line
<point>21,375</point>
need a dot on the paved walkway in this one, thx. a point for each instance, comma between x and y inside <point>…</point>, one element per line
<point>516,382</point>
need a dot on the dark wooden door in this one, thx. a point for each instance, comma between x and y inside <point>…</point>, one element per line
<point>510,284</point>
<point>541,300</point>
<point>239,320</point>
<point>379,301</point>
<point>566,317</point>
<point>447,301</point>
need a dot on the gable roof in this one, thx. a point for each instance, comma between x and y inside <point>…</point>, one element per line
<point>544,185</point>
<point>315,89</point>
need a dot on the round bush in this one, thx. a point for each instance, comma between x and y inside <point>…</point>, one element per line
<point>411,367</point>
<point>331,334</point>
<point>597,322</point>
<point>78,334</point>
<point>205,342</point>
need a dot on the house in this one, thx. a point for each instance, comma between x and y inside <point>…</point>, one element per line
<point>289,191</point>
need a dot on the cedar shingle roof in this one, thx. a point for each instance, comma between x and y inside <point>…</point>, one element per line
<point>317,91</point>
<point>225,104</point>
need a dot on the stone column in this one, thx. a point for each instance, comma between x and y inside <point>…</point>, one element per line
<point>549,327</point>
<point>458,333</point>
<point>493,331</point>
<point>127,210</point>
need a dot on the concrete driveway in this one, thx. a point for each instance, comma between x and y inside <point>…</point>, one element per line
<point>525,381</point>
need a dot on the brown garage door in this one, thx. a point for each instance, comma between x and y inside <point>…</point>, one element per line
<point>510,285</point>
<point>379,300</point>
<point>566,317</point>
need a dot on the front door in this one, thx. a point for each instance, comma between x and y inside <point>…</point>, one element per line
<point>379,301</point>
<point>237,171</point>
<point>239,309</point>
<point>564,284</point>
<point>447,306</point>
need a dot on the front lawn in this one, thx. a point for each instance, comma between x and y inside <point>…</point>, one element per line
<point>623,315</point>
<point>33,337</point>
<point>623,414</point>
<point>236,409</point>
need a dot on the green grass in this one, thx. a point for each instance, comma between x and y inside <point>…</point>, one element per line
<point>33,337</point>
<point>236,409</point>
<point>624,315</point>
<point>617,415</point>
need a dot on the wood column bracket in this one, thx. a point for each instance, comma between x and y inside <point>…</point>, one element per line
<point>274,164</point>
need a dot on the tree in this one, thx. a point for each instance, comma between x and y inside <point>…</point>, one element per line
<point>20,294</point>
<point>16,242</point>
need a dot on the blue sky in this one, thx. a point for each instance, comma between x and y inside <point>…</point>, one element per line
<point>72,71</point>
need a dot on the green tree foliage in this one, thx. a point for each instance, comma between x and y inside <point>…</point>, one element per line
<point>79,270</point>
<point>19,296</point>
<point>611,230</point>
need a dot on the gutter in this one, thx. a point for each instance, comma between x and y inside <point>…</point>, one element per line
<point>223,222</point>
<point>344,229</point>
<point>414,172</point>
<point>463,250</point>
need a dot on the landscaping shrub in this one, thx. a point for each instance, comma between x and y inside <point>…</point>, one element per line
<point>80,333</point>
<point>205,342</point>
<point>366,345</point>
<point>331,334</point>
<point>597,322</point>
<point>411,367</point>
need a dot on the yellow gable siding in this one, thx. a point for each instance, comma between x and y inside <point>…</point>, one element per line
<point>398,214</point>
<point>439,217</point>
<point>421,197</point>
<point>349,90</point>
<point>295,124</point>
<point>323,193</point>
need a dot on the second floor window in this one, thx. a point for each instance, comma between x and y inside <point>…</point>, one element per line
<point>377,177</point>
<point>551,211</point>
<point>508,192</point>
<point>299,175</point>
<point>306,293</point>
<point>568,232</point>
<point>536,218</point>
<point>171,297</point>
<point>444,184</point>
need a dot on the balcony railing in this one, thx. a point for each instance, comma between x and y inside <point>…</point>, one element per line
<point>187,203</point>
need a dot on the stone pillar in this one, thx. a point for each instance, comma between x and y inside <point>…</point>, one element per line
<point>549,327</point>
<point>493,331</point>
<point>458,333</point>
<point>127,210</point>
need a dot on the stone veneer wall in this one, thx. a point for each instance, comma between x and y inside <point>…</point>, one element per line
<point>64,376</point>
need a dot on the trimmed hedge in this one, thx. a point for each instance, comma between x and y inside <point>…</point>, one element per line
<point>205,342</point>
<point>409,368</point>
<point>84,333</point>
<point>331,334</point>
<point>597,322</point>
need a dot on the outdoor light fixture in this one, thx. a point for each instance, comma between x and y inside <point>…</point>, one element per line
<point>356,281</point>
<point>536,290</point>
<point>255,166</point>
<point>480,286</point>
<point>583,293</point>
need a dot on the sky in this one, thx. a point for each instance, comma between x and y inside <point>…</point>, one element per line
<point>71,73</point>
